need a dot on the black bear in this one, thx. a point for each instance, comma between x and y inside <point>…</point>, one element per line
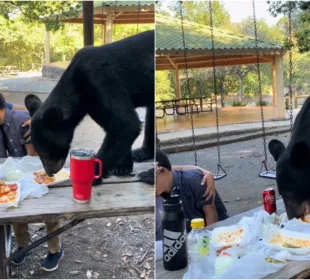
<point>293,166</point>
<point>108,83</point>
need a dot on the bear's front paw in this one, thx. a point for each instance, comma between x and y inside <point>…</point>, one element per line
<point>142,154</point>
<point>147,177</point>
<point>121,171</point>
<point>97,182</point>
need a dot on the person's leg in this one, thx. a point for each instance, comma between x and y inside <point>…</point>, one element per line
<point>54,243</point>
<point>23,239</point>
<point>55,250</point>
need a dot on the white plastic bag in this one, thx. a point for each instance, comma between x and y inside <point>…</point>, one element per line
<point>27,165</point>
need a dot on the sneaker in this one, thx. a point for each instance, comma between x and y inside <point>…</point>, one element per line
<point>50,263</point>
<point>19,259</point>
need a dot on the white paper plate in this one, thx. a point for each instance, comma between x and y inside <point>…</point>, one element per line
<point>57,179</point>
<point>12,204</point>
<point>292,234</point>
<point>239,240</point>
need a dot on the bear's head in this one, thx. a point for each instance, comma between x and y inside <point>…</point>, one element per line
<point>293,176</point>
<point>50,135</point>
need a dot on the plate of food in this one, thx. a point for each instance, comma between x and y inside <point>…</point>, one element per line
<point>9,193</point>
<point>41,178</point>
<point>229,236</point>
<point>292,241</point>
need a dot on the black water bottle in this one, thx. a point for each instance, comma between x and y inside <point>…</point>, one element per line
<point>174,234</point>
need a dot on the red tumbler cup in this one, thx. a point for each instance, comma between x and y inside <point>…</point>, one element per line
<point>82,173</point>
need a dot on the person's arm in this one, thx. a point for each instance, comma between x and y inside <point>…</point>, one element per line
<point>210,212</point>
<point>26,142</point>
<point>207,178</point>
<point>19,107</point>
<point>206,205</point>
<point>30,150</point>
<point>15,107</point>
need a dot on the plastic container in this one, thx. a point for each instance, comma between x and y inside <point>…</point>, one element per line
<point>198,248</point>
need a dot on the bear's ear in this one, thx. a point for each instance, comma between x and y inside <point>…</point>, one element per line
<point>300,155</point>
<point>276,148</point>
<point>53,116</point>
<point>32,103</point>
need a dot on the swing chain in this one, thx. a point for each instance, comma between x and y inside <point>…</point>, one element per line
<point>260,87</point>
<point>157,143</point>
<point>215,87</point>
<point>290,65</point>
<point>138,17</point>
<point>187,82</point>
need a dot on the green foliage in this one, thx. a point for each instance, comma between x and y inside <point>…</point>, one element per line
<point>21,44</point>
<point>301,20</point>
<point>47,12</point>
<point>163,88</point>
<point>263,103</point>
<point>238,104</point>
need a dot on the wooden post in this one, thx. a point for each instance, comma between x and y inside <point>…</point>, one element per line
<point>109,27</point>
<point>47,47</point>
<point>273,74</point>
<point>88,23</point>
<point>177,82</point>
<point>279,85</point>
<point>104,34</point>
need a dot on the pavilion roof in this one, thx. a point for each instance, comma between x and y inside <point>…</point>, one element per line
<point>198,37</point>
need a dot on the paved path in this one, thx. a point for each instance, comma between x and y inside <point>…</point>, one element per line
<point>26,83</point>
<point>242,189</point>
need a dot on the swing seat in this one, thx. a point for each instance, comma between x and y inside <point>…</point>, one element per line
<point>268,174</point>
<point>219,176</point>
<point>221,173</point>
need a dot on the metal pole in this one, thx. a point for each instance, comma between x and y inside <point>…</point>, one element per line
<point>88,23</point>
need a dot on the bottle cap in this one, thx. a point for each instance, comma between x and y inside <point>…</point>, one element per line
<point>197,223</point>
<point>173,203</point>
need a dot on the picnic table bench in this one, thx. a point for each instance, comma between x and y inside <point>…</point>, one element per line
<point>116,196</point>
<point>8,70</point>
<point>194,105</point>
<point>293,270</point>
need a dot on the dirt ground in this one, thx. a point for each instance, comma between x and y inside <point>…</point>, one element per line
<point>120,248</point>
<point>123,250</point>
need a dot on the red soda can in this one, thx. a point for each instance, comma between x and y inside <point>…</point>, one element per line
<point>269,198</point>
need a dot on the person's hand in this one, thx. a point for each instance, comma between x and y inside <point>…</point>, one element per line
<point>209,180</point>
<point>27,123</point>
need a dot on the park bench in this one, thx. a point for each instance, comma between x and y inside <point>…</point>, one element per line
<point>8,70</point>
<point>117,196</point>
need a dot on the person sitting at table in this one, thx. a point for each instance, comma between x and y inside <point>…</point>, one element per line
<point>195,187</point>
<point>17,107</point>
<point>12,143</point>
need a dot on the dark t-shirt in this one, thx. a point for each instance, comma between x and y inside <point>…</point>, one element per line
<point>188,184</point>
<point>11,134</point>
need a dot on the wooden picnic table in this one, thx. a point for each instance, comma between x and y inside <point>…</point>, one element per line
<point>293,270</point>
<point>117,196</point>
<point>186,103</point>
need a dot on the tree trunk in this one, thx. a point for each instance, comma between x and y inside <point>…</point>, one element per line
<point>241,88</point>
<point>222,92</point>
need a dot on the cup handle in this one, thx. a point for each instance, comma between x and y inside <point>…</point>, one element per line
<point>100,168</point>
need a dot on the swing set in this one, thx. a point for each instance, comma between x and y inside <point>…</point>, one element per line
<point>220,172</point>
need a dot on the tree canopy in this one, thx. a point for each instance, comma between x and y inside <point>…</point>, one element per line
<point>47,12</point>
<point>241,81</point>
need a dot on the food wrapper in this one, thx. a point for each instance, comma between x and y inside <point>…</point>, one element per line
<point>229,236</point>
<point>12,204</point>
<point>286,236</point>
<point>28,164</point>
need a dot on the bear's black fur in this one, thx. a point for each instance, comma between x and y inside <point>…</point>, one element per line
<point>293,165</point>
<point>108,83</point>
